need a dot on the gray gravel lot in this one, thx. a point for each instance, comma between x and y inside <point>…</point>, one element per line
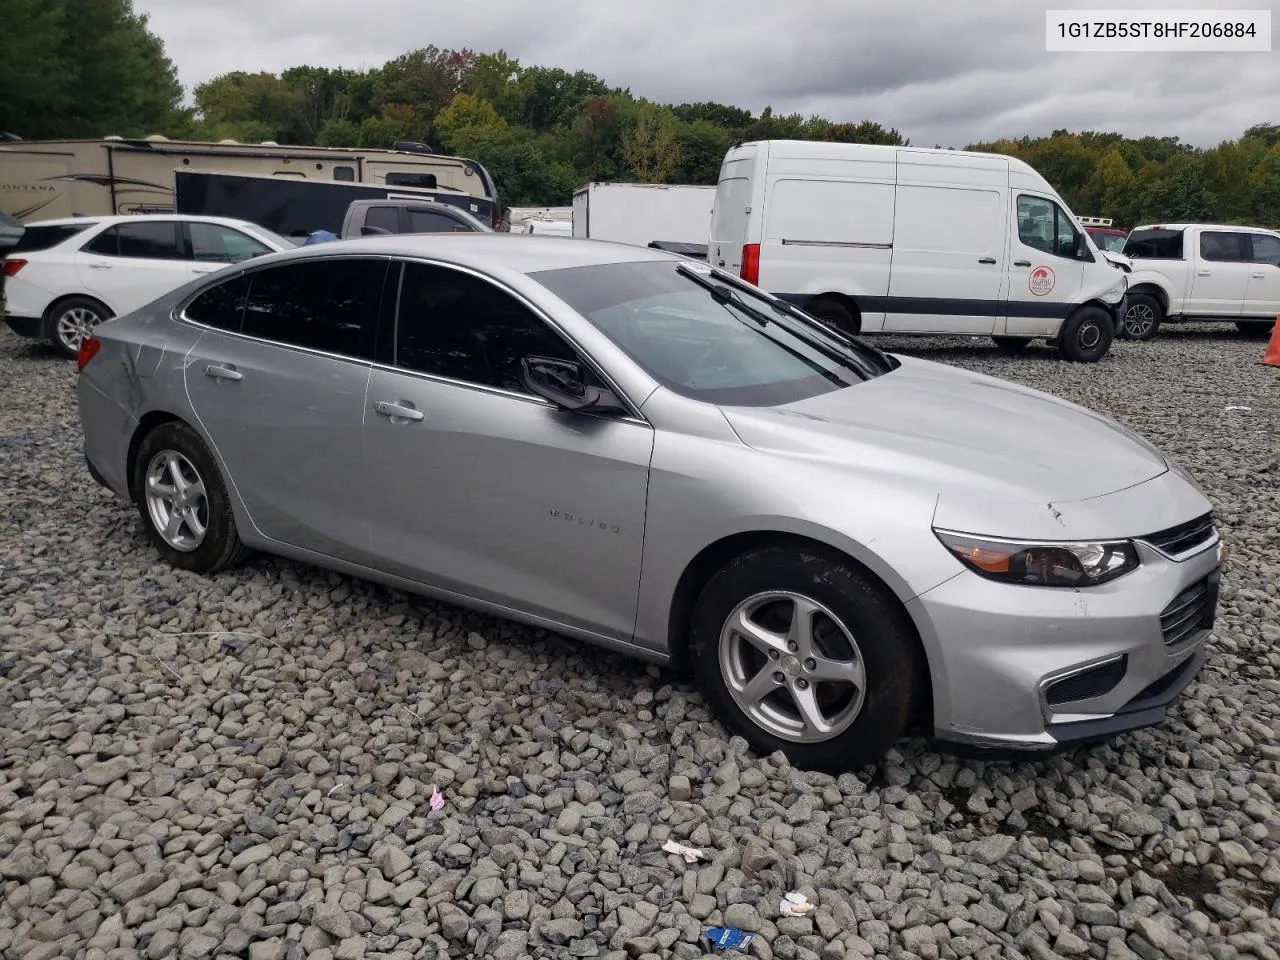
<point>170,788</point>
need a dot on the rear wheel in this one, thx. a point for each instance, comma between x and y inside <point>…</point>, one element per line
<point>1142,317</point>
<point>71,321</point>
<point>1012,345</point>
<point>834,313</point>
<point>183,502</point>
<point>1256,328</point>
<point>1086,335</point>
<point>798,651</point>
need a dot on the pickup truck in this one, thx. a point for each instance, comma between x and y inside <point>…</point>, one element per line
<point>367,218</point>
<point>1193,271</point>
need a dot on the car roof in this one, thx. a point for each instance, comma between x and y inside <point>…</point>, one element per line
<point>524,253</point>
<point>140,218</point>
<point>1238,227</point>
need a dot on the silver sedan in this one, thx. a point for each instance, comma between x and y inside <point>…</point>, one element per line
<point>635,449</point>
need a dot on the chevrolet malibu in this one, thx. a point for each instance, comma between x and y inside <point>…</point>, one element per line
<point>644,452</point>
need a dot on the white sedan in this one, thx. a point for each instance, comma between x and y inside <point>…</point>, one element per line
<point>65,277</point>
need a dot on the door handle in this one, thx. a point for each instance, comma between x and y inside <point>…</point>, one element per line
<point>1204,273</point>
<point>203,269</point>
<point>398,411</point>
<point>219,372</point>
<point>1022,263</point>
<point>1258,276</point>
<point>987,260</point>
<point>99,266</point>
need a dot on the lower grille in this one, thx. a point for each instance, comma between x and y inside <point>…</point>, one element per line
<point>1190,612</point>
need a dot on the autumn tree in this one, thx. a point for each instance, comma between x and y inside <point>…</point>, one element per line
<point>651,148</point>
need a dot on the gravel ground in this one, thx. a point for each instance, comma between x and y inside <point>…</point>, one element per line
<point>172,787</point>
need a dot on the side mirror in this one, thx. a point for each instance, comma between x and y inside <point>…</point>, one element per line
<point>564,383</point>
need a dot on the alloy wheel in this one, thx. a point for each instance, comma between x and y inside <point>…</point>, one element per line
<point>792,666</point>
<point>176,500</point>
<point>75,325</point>
<point>1138,320</point>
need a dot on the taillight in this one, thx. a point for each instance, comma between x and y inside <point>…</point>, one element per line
<point>751,263</point>
<point>12,266</point>
<point>89,348</point>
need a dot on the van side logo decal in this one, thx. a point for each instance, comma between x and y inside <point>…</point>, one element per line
<point>1041,281</point>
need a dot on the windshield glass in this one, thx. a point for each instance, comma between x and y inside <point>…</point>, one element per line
<point>1114,242</point>
<point>706,339</point>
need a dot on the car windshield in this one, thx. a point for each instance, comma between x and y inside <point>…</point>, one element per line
<point>707,337</point>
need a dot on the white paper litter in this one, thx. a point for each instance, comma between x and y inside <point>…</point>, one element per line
<point>795,905</point>
<point>680,850</point>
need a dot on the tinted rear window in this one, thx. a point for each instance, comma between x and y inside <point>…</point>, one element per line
<point>36,237</point>
<point>1154,245</point>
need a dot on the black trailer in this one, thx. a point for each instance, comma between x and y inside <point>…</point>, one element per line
<point>295,206</point>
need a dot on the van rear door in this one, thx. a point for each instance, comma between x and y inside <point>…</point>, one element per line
<point>731,209</point>
<point>949,249</point>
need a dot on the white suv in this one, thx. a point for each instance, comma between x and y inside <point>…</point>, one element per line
<point>65,277</point>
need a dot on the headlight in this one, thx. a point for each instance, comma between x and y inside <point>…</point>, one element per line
<point>1042,564</point>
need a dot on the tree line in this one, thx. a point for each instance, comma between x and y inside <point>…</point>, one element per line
<point>89,68</point>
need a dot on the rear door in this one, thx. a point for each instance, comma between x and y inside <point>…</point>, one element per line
<point>731,209</point>
<point>288,351</point>
<point>1045,278</point>
<point>1263,296</point>
<point>130,264</point>
<point>212,246</point>
<point>949,259</point>
<point>1223,263</point>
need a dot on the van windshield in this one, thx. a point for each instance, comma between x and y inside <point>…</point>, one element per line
<point>704,338</point>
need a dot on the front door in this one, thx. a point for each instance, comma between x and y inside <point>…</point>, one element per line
<point>1045,277</point>
<point>130,264</point>
<point>1262,299</point>
<point>477,487</point>
<point>279,389</point>
<point>1221,278</point>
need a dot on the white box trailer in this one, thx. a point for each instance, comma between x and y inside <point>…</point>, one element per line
<point>642,213</point>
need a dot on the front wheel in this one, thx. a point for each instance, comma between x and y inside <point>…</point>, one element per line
<point>1142,317</point>
<point>184,504</point>
<point>1086,335</point>
<point>799,651</point>
<point>833,313</point>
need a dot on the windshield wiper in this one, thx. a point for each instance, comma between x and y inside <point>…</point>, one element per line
<point>725,294</point>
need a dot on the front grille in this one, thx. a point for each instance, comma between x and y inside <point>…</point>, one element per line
<point>1189,612</point>
<point>1185,536</point>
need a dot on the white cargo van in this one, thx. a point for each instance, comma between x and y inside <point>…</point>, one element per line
<point>882,239</point>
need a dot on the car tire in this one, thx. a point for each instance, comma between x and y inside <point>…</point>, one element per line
<point>69,321</point>
<point>1012,345</point>
<point>1142,317</point>
<point>834,313</point>
<point>858,631</point>
<point>1086,335</point>
<point>1256,328</point>
<point>174,517</point>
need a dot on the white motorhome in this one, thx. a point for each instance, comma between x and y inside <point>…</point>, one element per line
<point>883,239</point>
<point>641,213</point>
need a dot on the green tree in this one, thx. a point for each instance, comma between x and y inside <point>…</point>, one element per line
<point>702,149</point>
<point>651,147</point>
<point>1265,182</point>
<point>1180,197</point>
<point>464,113</point>
<point>250,107</point>
<point>82,68</point>
<point>496,77</point>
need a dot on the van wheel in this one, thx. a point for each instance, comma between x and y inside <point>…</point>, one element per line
<point>1011,345</point>
<point>834,313</point>
<point>796,650</point>
<point>1255,328</point>
<point>1141,318</point>
<point>1086,335</point>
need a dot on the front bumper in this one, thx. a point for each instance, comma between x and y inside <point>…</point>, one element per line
<point>32,327</point>
<point>1020,669</point>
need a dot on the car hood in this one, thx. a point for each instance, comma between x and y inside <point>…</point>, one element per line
<point>963,436</point>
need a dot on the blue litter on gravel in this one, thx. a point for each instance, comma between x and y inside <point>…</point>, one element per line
<point>728,938</point>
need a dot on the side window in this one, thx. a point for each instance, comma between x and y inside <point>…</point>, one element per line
<point>1044,225</point>
<point>105,244</point>
<point>428,221</point>
<point>1223,247</point>
<point>1266,248</point>
<point>383,218</point>
<point>345,174</point>
<point>453,324</point>
<point>324,304</point>
<point>424,180</point>
<point>221,306</point>
<point>150,241</point>
<point>215,243</point>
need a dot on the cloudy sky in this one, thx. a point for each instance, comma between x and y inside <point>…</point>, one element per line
<point>941,72</point>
